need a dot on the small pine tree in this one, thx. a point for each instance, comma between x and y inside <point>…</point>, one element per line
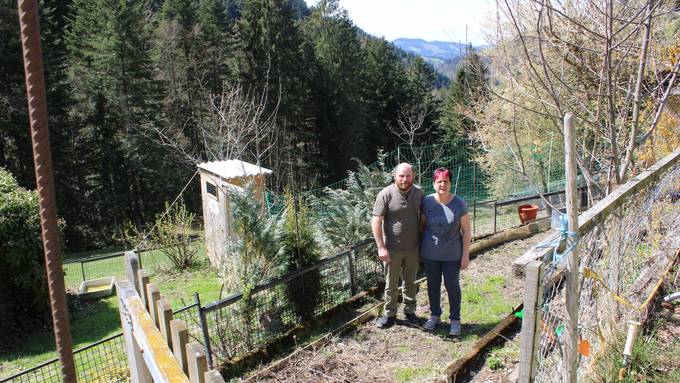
<point>344,215</point>
<point>298,249</point>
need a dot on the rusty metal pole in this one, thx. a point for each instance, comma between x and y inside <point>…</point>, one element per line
<point>42,158</point>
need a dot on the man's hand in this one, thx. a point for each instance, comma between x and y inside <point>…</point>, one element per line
<point>384,254</point>
<point>464,263</point>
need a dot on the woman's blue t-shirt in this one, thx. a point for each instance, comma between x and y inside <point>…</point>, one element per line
<point>442,239</point>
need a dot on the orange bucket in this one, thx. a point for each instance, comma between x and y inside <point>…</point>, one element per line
<point>527,213</point>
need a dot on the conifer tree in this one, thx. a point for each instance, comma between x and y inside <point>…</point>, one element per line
<point>340,60</point>
<point>109,69</point>
<point>466,93</point>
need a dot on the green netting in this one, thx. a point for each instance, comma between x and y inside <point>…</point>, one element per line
<point>470,180</point>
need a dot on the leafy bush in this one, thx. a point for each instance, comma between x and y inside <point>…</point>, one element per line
<point>23,281</point>
<point>171,235</point>
<point>298,249</point>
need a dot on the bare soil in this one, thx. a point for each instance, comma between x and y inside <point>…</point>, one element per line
<point>407,353</point>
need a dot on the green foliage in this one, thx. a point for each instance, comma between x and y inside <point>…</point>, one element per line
<point>494,362</point>
<point>172,235</point>
<point>344,215</point>
<point>249,256</point>
<point>298,249</point>
<point>248,261</point>
<point>466,96</point>
<point>23,282</point>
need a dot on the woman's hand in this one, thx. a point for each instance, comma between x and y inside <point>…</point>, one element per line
<point>464,262</point>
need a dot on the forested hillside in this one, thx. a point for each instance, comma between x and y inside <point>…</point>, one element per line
<point>140,91</point>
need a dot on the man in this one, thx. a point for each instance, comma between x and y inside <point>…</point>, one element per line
<point>395,229</point>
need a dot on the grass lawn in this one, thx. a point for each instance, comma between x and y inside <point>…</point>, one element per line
<point>95,320</point>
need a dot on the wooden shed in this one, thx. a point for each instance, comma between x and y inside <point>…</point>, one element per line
<point>218,178</point>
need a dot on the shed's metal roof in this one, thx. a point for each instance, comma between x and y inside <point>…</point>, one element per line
<point>233,168</point>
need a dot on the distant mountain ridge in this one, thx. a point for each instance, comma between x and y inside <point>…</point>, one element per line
<point>443,55</point>
<point>441,50</point>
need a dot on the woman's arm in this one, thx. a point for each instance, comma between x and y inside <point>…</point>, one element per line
<point>467,238</point>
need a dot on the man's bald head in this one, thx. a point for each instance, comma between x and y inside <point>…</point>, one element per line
<point>404,166</point>
<point>403,176</point>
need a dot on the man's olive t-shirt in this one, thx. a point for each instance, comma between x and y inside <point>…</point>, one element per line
<point>400,212</point>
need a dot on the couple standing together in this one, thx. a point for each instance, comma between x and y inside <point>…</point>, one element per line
<point>407,226</point>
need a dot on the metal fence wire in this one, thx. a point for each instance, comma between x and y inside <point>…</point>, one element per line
<point>111,265</point>
<point>615,252</point>
<point>243,322</point>
<point>103,361</point>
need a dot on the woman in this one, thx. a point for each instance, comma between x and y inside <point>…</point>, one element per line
<point>444,247</point>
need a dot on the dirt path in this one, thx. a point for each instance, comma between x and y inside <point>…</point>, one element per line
<point>407,354</point>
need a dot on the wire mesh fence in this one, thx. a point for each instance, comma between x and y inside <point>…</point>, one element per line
<point>244,322</point>
<point>103,361</point>
<point>111,265</point>
<point>620,263</point>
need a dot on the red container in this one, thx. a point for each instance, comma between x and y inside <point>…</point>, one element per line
<point>527,212</point>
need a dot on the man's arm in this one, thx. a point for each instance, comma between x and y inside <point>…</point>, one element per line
<point>377,228</point>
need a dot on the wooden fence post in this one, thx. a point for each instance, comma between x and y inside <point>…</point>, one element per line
<point>213,376</point>
<point>164,317</point>
<point>531,321</point>
<point>143,277</point>
<point>139,373</point>
<point>131,269</point>
<point>474,218</point>
<point>198,363</point>
<point>495,217</point>
<point>180,338</point>
<point>572,285</point>
<point>153,295</point>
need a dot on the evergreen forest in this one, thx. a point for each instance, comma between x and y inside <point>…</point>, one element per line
<point>141,91</point>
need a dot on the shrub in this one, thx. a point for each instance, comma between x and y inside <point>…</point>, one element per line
<point>344,215</point>
<point>23,281</point>
<point>299,249</point>
<point>173,236</point>
<point>248,262</point>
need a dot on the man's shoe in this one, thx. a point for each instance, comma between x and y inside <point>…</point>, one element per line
<point>385,322</point>
<point>455,327</point>
<point>431,323</point>
<point>413,319</point>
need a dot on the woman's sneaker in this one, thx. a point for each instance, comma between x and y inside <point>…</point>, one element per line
<point>455,327</point>
<point>431,323</point>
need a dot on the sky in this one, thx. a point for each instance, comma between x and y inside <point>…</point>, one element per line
<point>441,20</point>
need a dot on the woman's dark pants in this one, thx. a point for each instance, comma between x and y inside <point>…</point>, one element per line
<point>450,270</point>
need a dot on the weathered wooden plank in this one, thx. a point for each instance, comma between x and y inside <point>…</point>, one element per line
<point>132,269</point>
<point>213,376</point>
<point>572,285</point>
<point>157,357</point>
<point>164,317</point>
<point>458,367</point>
<point>534,253</point>
<point>153,295</point>
<point>143,278</point>
<point>198,362</point>
<point>533,293</point>
<point>180,338</point>
<point>513,234</point>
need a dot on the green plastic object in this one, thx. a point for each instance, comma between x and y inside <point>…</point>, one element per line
<point>520,314</point>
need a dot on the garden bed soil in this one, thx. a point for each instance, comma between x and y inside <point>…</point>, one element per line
<point>406,353</point>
